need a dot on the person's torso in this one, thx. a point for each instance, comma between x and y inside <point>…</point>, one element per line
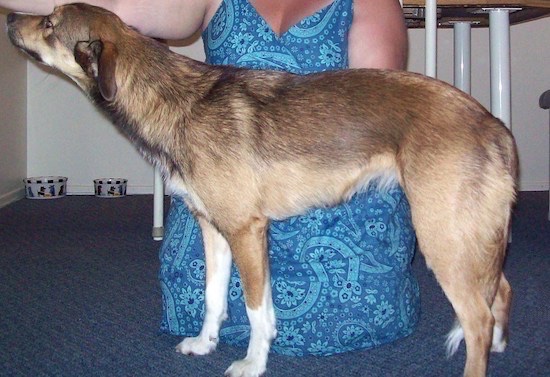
<point>238,35</point>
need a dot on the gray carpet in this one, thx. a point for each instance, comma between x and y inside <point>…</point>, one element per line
<point>79,297</point>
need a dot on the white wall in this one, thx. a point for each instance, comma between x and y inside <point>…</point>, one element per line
<point>530,123</point>
<point>13,127</point>
<point>68,137</point>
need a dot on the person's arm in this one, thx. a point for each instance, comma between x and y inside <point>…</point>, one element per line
<point>42,6</point>
<point>167,19</point>
<point>378,35</point>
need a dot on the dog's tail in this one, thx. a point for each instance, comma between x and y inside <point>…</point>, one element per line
<point>454,338</point>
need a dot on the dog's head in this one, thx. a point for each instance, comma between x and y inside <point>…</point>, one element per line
<point>77,39</point>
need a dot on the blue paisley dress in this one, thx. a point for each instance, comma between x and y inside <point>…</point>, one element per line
<point>341,276</point>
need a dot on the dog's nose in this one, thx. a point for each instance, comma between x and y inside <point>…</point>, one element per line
<point>11,17</point>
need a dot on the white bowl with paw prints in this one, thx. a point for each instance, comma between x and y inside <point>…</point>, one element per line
<point>47,187</point>
<point>110,187</point>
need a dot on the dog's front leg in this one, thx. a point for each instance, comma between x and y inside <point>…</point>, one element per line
<point>249,248</point>
<point>218,271</point>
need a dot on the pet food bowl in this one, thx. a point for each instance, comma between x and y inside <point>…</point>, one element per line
<point>52,187</point>
<point>110,187</point>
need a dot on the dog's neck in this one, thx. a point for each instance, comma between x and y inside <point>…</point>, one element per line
<point>156,87</point>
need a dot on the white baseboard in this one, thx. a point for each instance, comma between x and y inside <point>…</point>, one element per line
<point>533,186</point>
<point>11,197</point>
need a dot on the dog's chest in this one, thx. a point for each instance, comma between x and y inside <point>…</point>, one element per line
<point>177,186</point>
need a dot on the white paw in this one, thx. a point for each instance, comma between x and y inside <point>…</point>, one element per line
<point>197,346</point>
<point>499,347</point>
<point>246,368</point>
<point>499,341</point>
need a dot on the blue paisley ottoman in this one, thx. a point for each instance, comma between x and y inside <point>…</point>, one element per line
<point>341,277</point>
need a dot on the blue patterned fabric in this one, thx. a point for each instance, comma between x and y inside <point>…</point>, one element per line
<point>238,35</point>
<point>341,277</point>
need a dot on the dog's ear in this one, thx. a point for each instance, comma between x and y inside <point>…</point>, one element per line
<point>98,60</point>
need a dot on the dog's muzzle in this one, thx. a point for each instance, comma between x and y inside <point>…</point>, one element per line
<point>16,38</point>
<point>13,32</point>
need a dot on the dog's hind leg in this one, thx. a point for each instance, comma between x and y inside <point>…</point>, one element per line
<point>500,310</point>
<point>249,248</point>
<point>218,271</point>
<point>467,292</point>
<point>465,249</point>
<point>477,323</point>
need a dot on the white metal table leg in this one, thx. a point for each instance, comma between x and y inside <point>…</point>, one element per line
<point>158,206</point>
<point>499,32</point>
<point>431,38</point>
<point>462,56</point>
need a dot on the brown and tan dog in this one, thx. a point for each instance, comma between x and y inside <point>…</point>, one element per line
<point>249,146</point>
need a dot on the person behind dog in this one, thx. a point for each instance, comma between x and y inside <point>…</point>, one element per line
<point>341,276</point>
